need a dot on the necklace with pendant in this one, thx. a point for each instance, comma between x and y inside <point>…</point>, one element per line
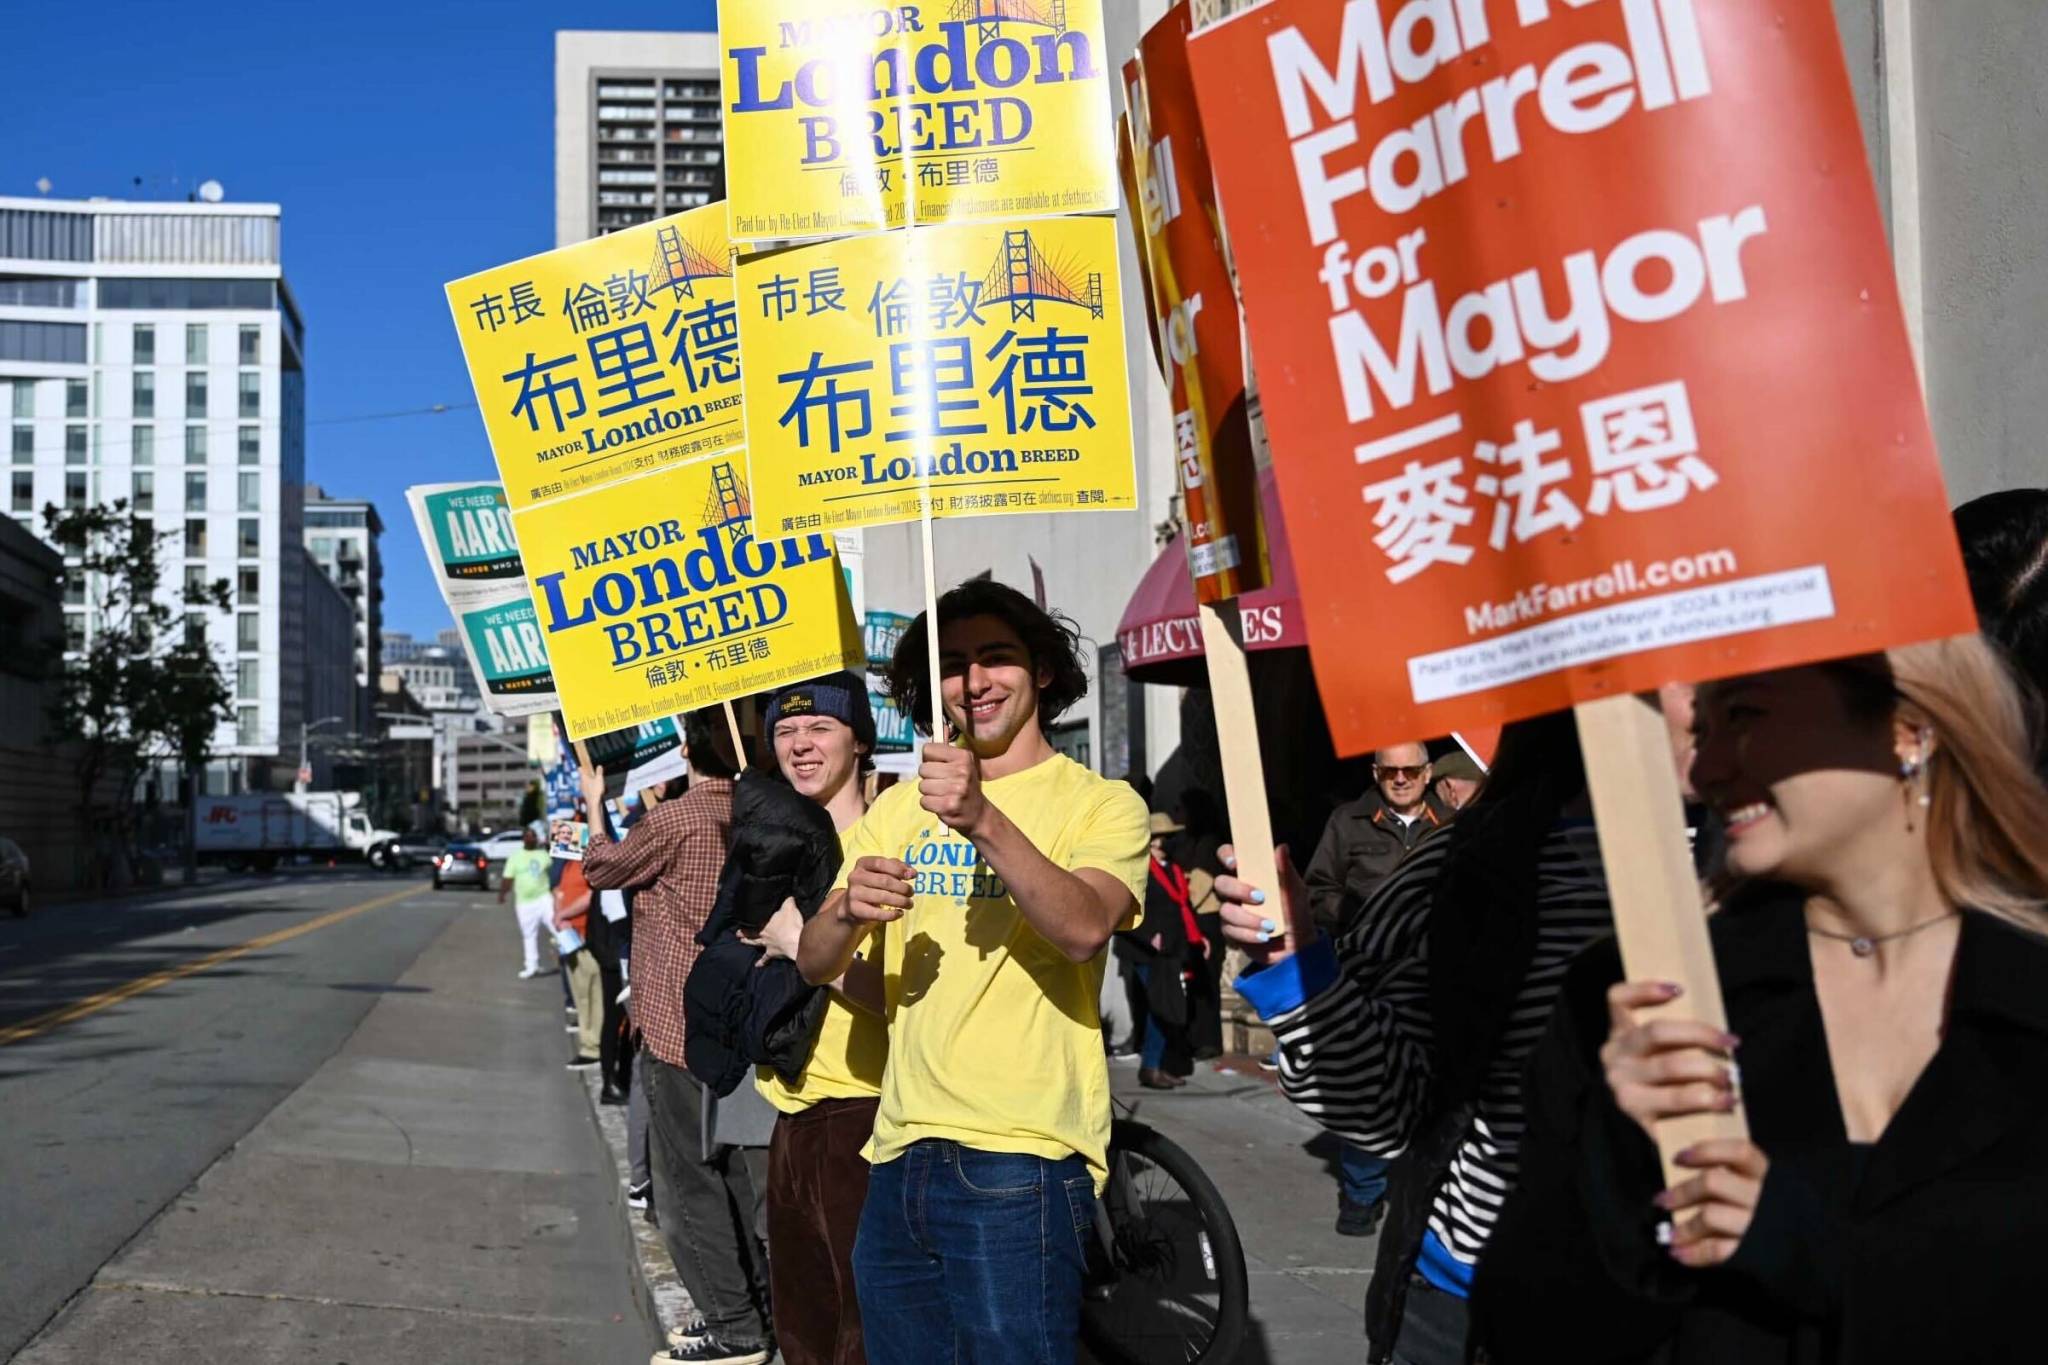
<point>1863,945</point>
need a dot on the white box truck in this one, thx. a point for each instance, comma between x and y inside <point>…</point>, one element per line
<point>261,828</point>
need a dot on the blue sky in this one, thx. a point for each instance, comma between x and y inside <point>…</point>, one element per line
<point>408,144</point>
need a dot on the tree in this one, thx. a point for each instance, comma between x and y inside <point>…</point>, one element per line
<point>135,693</point>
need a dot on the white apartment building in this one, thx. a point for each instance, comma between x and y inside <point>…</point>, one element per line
<point>153,352</point>
<point>637,129</point>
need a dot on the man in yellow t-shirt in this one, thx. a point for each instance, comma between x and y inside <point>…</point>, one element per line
<point>1000,874</point>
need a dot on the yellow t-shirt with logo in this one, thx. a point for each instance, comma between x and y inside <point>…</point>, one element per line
<point>846,1062</point>
<point>995,1038</point>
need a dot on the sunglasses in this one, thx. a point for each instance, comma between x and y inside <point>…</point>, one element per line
<point>1409,774</point>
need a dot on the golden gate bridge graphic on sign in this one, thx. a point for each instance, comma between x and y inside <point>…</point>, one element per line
<point>1024,277</point>
<point>679,263</point>
<point>988,15</point>
<point>729,505</point>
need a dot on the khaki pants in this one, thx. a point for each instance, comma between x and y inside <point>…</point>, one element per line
<point>586,988</point>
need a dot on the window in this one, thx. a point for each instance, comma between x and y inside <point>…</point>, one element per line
<point>74,445</point>
<point>74,588</point>
<point>247,729</point>
<point>249,445</point>
<point>55,343</point>
<point>24,490</point>
<point>323,547</point>
<point>251,352</point>
<point>195,539</point>
<point>250,580</point>
<point>74,631</point>
<point>145,491</point>
<point>195,343</point>
<point>248,679</point>
<point>249,496</point>
<point>24,398</point>
<point>195,443</point>
<point>195,490</point>
<point>195,393</point>
<point>145,343</point>
<point>248,631</point>
<point>249,394</point>
<point>195,630</point>
<point>142,445</point>
<point>74,489</point>
<point>250,542</point>
<point>24,445</point>
<point>195,581</point>
<point>75,398</point>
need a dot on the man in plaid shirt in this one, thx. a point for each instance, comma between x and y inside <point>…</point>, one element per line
<point>671,860</point>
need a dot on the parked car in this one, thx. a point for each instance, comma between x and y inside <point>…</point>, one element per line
<point>502,845</point>
<point>13,877</point>
<point>462,865</point>
<point>407,849</point>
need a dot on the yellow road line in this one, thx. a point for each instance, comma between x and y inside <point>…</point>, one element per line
<point>93,1004</point>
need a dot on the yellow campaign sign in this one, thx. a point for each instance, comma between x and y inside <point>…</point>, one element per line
<point>654,597</point>
<point>985,361</point>
<point>843,119</point>
<point>606,359</point>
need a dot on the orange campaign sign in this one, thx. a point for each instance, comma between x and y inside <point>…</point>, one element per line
<point>1194,325</point>
<point>1581,354</point>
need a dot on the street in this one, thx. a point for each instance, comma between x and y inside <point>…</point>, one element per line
<point>405,1171</point>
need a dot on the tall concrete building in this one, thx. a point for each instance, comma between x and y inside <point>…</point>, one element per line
<point>637,131</point>
<point>342,536</point>
<point>153,352</point>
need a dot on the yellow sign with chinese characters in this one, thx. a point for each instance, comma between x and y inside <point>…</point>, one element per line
<point>983,363</point>
<point>849,119</point>
<point>606,359</point>
<point>654,597</point>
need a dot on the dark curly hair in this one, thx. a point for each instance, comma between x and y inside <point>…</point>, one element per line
<point>1050,638</point>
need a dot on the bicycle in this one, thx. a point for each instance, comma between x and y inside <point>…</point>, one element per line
<point>1166,1275</point>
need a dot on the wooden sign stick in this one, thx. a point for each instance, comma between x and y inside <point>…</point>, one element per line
<point>931,622</point>
<point>1237,738</point>
<point>732,725</point>
<point>1650,880</point>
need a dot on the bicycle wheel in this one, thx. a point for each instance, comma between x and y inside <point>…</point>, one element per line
<point>1173,1287</point>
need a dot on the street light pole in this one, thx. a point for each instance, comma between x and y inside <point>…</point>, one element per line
<point>300,783</point>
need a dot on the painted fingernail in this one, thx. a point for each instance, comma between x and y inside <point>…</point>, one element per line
<point>1734,1076</point>
<point>1729,1042</point>
<point>1670,990</point>
<point>1265,937</point>
<point>1726,1103</point>
<point>1662,1200</point>
<point>1230,860</point>
<point>1268,925</point>
<point>1664,1232</point>
<point>1258,898</point>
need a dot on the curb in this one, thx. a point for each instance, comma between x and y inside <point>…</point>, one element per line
<point>662,1296</point>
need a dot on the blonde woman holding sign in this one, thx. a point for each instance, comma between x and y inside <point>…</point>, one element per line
<point>1886,979</point>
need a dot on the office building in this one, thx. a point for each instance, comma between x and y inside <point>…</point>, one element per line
<point>637,132</point>
<point>152,352</point>
<point>491,774</point>
<point>333,700</point>
<point>342,536</point>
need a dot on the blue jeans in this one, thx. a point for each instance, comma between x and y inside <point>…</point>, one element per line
<point>1361,1176</point>
<point>982,1250</point>
<point>1152,1051</point>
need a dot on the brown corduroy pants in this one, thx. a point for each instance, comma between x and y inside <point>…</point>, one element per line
<point>817,1183</point>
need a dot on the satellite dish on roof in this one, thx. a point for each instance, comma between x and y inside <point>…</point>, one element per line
<point>43,184</point>
<point>211,191</point>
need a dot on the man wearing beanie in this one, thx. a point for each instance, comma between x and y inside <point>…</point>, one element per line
<point>822,733</point>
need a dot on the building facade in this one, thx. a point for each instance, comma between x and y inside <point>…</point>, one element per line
<point>637,130</point>
<point>152,353</point>
<point>491,774</point>
<point>342,537</point>
<point>332,706</point>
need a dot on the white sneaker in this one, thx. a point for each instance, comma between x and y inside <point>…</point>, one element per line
<point>529,973</point>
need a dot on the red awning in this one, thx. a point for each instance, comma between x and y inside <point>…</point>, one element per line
<point>1159,636</point>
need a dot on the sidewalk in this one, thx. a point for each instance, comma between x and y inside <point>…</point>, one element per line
<point>435,1192</point>
<point>1276,1172</point>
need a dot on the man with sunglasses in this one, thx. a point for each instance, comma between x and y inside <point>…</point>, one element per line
<point>1364,842</point>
